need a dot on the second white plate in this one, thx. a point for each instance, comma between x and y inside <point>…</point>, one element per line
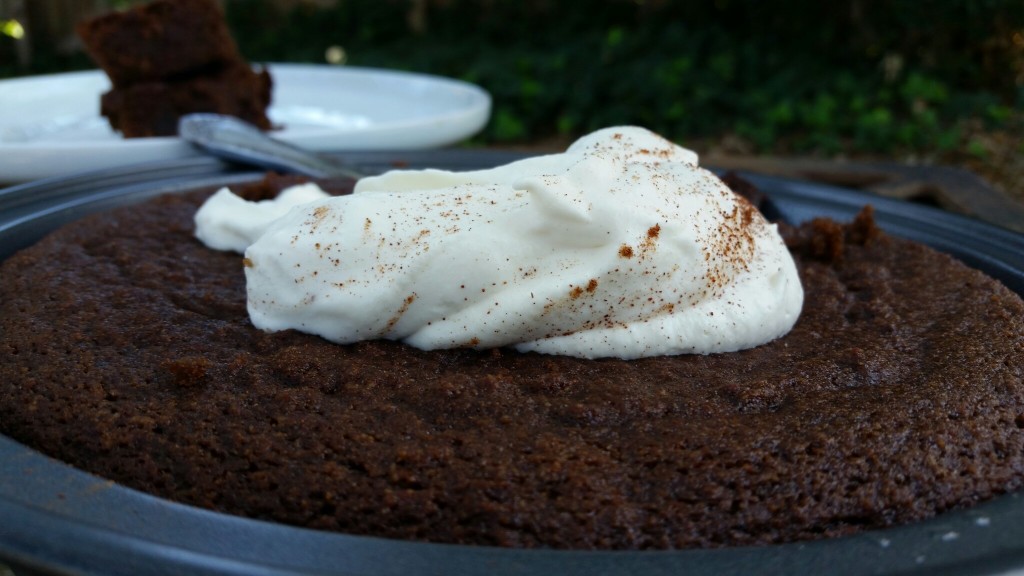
<point>50,125</point>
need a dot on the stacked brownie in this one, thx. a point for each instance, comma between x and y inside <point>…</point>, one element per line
<point>169,58</point>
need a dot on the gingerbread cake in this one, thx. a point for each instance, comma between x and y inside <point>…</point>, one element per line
<point>169,58</point>
<point>126,350</point>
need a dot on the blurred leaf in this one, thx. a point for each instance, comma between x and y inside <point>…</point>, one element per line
<point>977,149</point>
<point>507,126</point>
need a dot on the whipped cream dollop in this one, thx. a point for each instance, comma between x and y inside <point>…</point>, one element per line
<point>619,247</point>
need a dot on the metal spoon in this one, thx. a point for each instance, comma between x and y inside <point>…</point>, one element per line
<point>232,139</point>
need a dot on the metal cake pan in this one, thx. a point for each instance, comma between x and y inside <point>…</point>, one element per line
<point>55,519</point>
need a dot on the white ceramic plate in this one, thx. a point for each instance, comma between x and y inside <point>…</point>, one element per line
<point>50,125</point>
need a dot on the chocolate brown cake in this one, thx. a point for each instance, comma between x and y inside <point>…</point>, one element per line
<point>159,40</point>
<point>126,350</point>
<point>169,58</point>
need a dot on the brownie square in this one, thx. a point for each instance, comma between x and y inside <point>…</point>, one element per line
<point>159,40</point>
<point>153,108</point>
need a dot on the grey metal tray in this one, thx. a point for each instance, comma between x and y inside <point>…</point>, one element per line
<point>55,519</point>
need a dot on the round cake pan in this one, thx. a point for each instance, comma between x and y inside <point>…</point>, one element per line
<point>55,519</point>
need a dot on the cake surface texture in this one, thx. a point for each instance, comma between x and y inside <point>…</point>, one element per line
<point>126,350</point>
<point>169,58</point>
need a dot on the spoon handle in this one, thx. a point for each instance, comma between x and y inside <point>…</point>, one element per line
<point>238,141</point>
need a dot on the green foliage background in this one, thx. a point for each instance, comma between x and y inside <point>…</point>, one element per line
<point>859,75</point>
<point>869,75</point>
